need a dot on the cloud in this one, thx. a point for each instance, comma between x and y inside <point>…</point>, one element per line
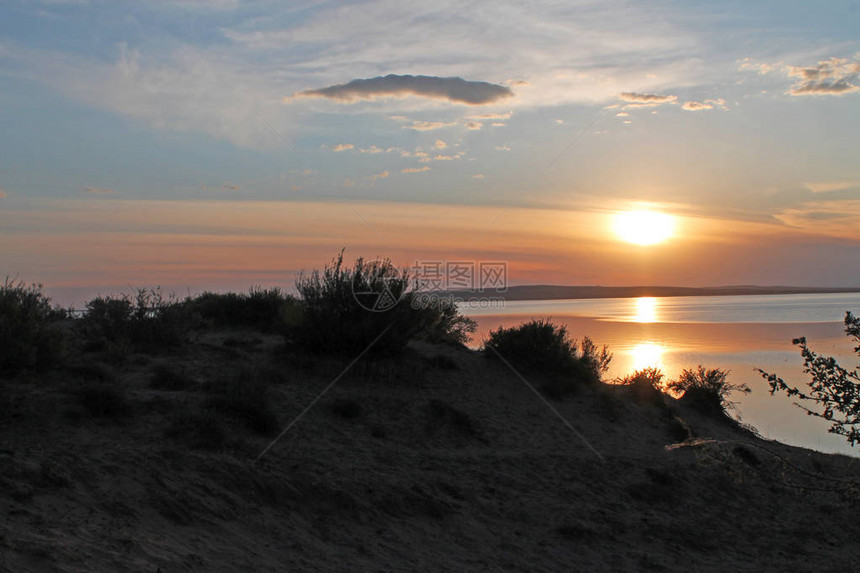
<point>646,100</point>
<point>506,115</point>
<point>473,125</point>
<point>375,176</point>
<point>834,76</point>
<point>453,89</point>
<point>705,105</point>
<point>99,191</point>
<point>762,68</point>
<point>834,218</point>
<point>827,187</point>
<point>622,114</point>
<point>3,194</point>
<point>696,106</point>
<point>230,187</point>
<point>187,89</point>
<point>342,147</point>
<point>415,169</point>
<point>478,176</point>
<point>428,125</point>
<point>502,148</point>
<point>417,153</point>
<point>440,144</point>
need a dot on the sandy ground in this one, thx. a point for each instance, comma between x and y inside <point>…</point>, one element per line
<point>442,461</point>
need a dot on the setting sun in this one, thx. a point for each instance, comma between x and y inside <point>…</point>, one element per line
<point>643,227</point>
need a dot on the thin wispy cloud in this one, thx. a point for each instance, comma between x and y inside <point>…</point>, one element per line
<point>481,116</point>
<point>415,169</point>
<point>645,99</point>
<point>383,175</point>
<point>429,125</point>
<point>704,105</point>
<point>342,147</point>
<point>99,191</point>
<point>830,186</point>
<point>454,89</point>
<point>374,150</point>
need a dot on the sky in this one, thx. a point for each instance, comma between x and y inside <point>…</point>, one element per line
<point>219,145</point>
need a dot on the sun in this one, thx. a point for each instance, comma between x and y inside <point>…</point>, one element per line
<point>644,227</point>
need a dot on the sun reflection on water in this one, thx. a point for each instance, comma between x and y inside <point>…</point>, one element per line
<point>646,309</point>
<point>647,355</point>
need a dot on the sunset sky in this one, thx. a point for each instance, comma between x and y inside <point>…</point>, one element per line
<point>215,145</point>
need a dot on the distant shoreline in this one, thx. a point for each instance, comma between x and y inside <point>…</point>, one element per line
<point>557,292</point>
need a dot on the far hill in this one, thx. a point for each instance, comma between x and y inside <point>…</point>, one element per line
<point>556,292</point>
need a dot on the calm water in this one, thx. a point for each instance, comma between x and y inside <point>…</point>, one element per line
<point>738,333</point>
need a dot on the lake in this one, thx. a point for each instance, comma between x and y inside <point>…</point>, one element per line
<point>736,333</point>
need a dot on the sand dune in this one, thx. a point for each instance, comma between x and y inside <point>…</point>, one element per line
<point>442,461</point>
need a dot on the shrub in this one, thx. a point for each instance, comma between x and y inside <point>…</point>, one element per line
<point>646,385</point>
<point>707,390</point>
<point>542,346</point>
<point>147,320</point>
<point>263,309</point>
<point>343,310</point>
<point>245,396</point>
<point>440,320</point>
<point>336,302</point>
<point>29,334</point>
<point>833,390</point>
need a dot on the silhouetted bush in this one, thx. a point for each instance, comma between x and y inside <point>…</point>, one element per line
<point>834,390</point>
<point>145,321</point>
<point>440,320</point>
<point>268,310</point>
<point>707,390</point>
<point>542,346</point>
<point>245,396</point>
<point>645,385</point>
<point>29,334</point>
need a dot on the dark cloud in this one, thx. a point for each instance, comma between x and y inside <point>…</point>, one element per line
<point>453,89</point>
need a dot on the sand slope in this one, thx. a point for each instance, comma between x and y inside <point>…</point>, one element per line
<point>442,461</point>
